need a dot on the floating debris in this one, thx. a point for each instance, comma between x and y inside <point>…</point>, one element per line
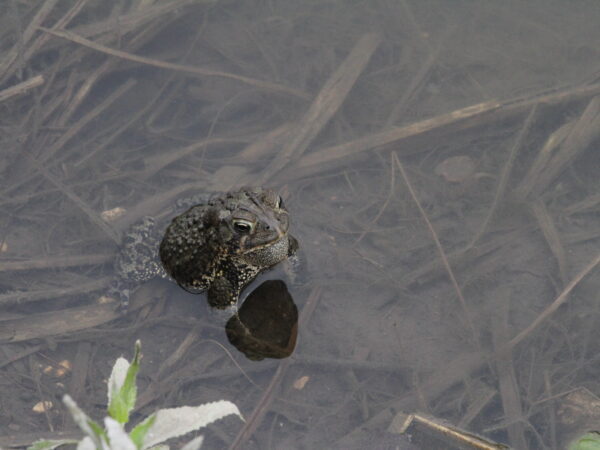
<point>110,215</point>
<point>456,169</point>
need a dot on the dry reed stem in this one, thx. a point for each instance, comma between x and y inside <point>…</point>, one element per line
<point>550,408</point>
<point>82,122</point>
<point>11,298</point>
<point>193,336</point>
<point>82,92</point>
<point>262,407</point>
<point>83,206</point>
<point>98,145</point>
<point>186,375</point>
<point>455,371</point>
<point>418,81</point>
<point>474,115</point>
<point>136,19</point>
<point>24,198</point>
<point>43,38</point>
<point>107,140</point>
<point>21,88</point>
<point>585,205</point>
<point>552,237</point>
<point>384,205</point>
<point>11,57</point>
<point>159,382</point>
<point>320,158</point>
<point>504,177</point>
<point>463,365</point>
<point>197,71</point>
<point>325,105</point>
<point>562,298</point>
<point>505,370</point>
<point>548,150</point>
<point>460,257</point>
<point>156,163</point>
<point>441,251</point>
<point>82,366</point>
<point>64,322</point>
<point>267,143</point>
<point>57,262</point>
<point>583,133</point>
<point>483,396</point>
<point>134,43</point>
<point>29,350</point>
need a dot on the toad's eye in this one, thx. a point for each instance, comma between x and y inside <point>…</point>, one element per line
<point>243,226</point>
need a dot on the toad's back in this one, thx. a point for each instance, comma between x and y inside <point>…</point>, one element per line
<point>222,245</point>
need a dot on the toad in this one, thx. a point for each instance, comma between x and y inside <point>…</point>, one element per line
<point>218,246</point>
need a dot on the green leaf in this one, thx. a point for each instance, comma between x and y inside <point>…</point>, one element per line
<point>123,392</point>
<point>138,434</point>
<point>589,441</point>
<point>50,444</point>
<point>97,429</point>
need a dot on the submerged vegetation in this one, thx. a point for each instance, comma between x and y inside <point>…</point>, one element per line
<point>440,163</point>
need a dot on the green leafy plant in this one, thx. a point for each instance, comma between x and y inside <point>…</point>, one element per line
<point>148,434</point>
<point>589,441</point>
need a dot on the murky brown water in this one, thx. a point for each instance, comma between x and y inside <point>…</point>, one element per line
<point>401,134</point>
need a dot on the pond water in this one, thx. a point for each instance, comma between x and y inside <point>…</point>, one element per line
<point>439,162</point>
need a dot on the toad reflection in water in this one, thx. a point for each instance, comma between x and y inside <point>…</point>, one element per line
<point>219,245</point>
<point>266,325</point>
